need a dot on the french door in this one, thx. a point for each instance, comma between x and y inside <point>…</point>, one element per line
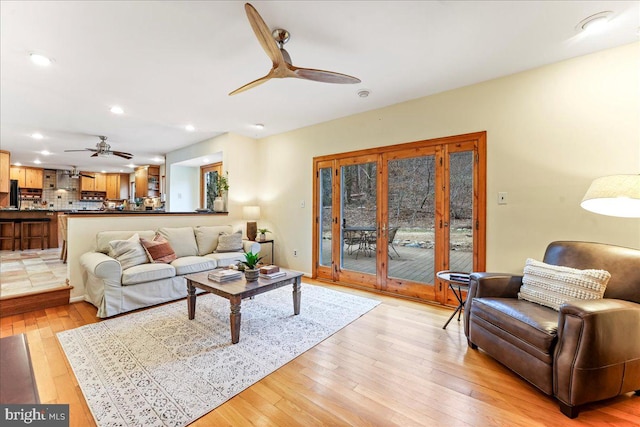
<point>390,218</point>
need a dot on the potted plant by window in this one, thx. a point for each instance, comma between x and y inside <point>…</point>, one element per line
<point>251,271</point>
<point>222,189</point>
<point>263,233</point>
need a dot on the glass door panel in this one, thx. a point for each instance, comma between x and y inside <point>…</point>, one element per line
<point>325,182</point>
<point>411,218</point>
<point>358,217</point>
<point>461,211</point>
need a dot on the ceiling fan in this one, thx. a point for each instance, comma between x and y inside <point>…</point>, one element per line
<point>273,45</point>
<point>103,149</point>
<point>75,173</point>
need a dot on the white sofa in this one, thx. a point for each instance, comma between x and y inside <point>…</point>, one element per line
<point>114,290</point>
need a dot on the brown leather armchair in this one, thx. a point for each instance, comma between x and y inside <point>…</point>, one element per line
<point>588,351</point>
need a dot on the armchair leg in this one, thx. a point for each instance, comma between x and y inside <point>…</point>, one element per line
<point>472,345</point>
<point>637,393</point>
<point>569,411</point>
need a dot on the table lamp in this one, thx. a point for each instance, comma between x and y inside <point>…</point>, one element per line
<point>251,214</point>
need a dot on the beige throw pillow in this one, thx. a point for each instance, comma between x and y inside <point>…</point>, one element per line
<point>230,242</point>
<point>553,285</point>
<point>128,252</point>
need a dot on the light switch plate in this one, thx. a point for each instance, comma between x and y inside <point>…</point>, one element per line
<point>502,198</point>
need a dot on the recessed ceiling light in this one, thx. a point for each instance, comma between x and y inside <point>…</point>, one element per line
<point>259,126</point>
<point>205,160</point>
<point>363,93</point>
<point>158,159</point>
<point>40,60</point>
<point>45,153</point>
<point>595,22</point>
<point>103,171</point>
<point>131,165</point>
<point>37,135</point>
<point>17,164</point>
<point>189,128</point>
<point>116,110</point>
<point>121,170</point>
<point>37,162</point>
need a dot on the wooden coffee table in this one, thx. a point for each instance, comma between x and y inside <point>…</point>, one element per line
<point>236,290</point>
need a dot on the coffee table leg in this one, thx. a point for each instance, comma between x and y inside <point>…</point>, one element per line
<point>191,300</point>
<point>296,296</point>
<point>234,318</point>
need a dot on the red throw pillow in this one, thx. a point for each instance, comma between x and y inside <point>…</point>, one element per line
<point>158,250</point>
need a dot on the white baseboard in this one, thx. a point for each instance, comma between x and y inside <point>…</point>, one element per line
<point>76,299</point>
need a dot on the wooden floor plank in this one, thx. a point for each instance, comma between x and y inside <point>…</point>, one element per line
<point>393,366</point>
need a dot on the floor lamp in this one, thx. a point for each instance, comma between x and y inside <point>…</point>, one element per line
<point>615,195</point>
<point>251,214</point>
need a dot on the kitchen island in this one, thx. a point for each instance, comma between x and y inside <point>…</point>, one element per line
<point>13,215</point>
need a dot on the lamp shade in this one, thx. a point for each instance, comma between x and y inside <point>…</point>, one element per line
<point>615,195</point>
<point>251,212</point>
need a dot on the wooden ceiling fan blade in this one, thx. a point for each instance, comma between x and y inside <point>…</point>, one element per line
<point>122,154</point>
<point>323,76</point>
<point>253,84</point>
<point>264,36</point>
<point>95,155</point>
<point>87,176</point>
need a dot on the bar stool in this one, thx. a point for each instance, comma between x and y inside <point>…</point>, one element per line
<point>26,231</point>
<point>62,226</point>
<point>11,223</point>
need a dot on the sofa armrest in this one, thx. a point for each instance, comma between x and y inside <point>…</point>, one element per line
<point>598,350</point>
<point>497,285</point>
<point>251,246</point>
<point>102,266</point>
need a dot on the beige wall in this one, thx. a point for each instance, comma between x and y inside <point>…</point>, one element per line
<point>550,131</point>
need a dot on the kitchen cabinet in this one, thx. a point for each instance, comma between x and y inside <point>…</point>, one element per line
<point>87,184</point>
<point>27,177</point>
<point>117,186</point>
<point>148,181</point>
<point>18,173</point>
<point>100,182</point>
<point>34,178</point>
<point>113,186</point>
<point>5,164</point>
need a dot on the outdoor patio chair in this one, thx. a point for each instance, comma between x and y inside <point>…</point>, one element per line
<point>392,236</point>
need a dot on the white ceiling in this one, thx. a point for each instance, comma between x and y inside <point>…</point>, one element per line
<point>172,63</point>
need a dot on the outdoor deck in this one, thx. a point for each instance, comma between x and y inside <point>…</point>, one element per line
<point>414,264</point>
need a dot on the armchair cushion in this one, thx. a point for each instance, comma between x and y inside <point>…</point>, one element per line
<point>554,285</point>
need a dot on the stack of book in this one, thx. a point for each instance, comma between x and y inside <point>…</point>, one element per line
<point>271,272</point>
<point>459,277</point>
<point>224,275</point>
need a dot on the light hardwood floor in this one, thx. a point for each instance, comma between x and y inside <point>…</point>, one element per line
<point>393,366</point>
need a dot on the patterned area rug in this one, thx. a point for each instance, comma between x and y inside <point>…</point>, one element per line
<point>157,368</point>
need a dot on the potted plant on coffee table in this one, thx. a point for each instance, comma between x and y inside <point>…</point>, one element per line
<point>251,272</point>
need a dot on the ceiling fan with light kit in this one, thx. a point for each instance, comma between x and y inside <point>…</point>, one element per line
<point>75,173</point>
<point>273,44</point>
<point>103,150</point>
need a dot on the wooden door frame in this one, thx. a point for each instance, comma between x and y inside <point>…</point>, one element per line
<point>478,141</point>
<point>204,169</point>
